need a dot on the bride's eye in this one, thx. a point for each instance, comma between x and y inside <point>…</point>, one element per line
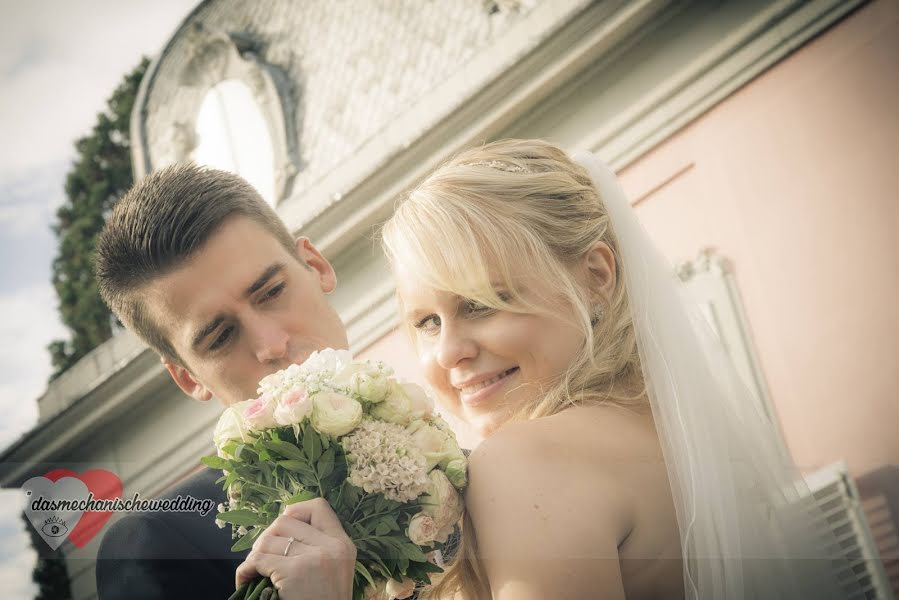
<point>474,307</point>
<point>429,325</point>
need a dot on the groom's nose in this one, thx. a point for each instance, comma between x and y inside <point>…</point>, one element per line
<point>270,340</point>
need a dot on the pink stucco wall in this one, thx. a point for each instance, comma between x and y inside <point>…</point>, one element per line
<point>795,178</point>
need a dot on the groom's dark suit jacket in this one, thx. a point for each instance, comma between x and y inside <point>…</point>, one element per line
<point>151,556</point>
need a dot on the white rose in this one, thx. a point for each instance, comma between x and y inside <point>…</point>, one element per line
<point>231,426</point>
<point>370,381</point>
<point>400,589</point>
<point>442,502</point>
<point>439,447</point>
<point>373,385</point>
<point>406,403</point>
<point>335,414</point>
<point>420,403</point>
<point>295,406</point>
<point>422,530</point>
<point>259,414</point>
<point>429,440</point>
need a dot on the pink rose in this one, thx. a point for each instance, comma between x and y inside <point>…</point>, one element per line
<point>293,407</point>
<point>259,414</point>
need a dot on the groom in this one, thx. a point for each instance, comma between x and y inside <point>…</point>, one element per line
<point>194,262</point>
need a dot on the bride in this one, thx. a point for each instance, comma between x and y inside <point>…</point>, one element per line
<point>622,455</point>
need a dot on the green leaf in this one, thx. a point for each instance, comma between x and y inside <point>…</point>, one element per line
<point>326,463</point>
<point>269,492</point>
<point>285,449</point>
<point>360,568</point>
<point>247,540</point>
<point>390,520</point>
<point>412,552</point>
<point>232,477</point>
<point>297,466</point>
<point>215,462</point>
<point>382,528</point>
<point>230,448</point>
<point>301,497</point>
<point>247,518</point>
<point>309,436</point>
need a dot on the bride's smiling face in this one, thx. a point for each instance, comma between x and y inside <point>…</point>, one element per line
<point>483,363</point>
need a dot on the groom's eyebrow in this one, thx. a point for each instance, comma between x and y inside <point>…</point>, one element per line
<point>263,279</point>
<point>205,331</point>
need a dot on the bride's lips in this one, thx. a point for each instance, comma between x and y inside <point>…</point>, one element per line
<point>483,394</point>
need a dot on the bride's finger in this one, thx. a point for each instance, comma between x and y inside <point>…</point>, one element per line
<point>287,526</point>
<point>319,514</point>
<point>278,545</point>
<point>249,569</point>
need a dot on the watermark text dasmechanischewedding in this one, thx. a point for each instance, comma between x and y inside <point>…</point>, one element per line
<point>133,504</point>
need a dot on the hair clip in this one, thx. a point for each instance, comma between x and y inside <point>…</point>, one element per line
<point>499,165</point>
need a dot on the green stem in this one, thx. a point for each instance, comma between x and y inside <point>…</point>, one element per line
<point>257,591</point>
<point>240,592</point>
<point>364,519</point>
<point>358,504</point>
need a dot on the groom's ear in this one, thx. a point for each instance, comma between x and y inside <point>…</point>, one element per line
<point>599,263</point>
<point>186,381</point>
<point>317,264</point>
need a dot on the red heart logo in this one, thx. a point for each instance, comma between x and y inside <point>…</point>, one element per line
<point>104,485</point>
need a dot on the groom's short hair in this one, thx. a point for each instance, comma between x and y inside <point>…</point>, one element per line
<point>158,225</point>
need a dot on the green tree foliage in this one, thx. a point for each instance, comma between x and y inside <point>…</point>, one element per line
<point>100,175</point>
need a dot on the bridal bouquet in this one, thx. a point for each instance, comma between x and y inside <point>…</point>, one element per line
<point>371,446</point>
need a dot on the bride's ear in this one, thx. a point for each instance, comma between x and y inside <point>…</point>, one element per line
<point>599,264</point>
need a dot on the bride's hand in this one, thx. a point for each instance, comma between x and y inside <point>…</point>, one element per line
<point>319,564</point>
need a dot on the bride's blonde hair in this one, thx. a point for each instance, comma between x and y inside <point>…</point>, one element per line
<point>480,223</point>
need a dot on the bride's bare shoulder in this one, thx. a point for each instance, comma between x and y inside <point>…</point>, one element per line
<point>583,433</point>
<point>575,451</point>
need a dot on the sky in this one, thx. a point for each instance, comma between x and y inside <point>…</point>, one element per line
<point>59,62</point>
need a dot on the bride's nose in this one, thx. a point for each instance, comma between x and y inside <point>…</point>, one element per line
<point>453,347</point>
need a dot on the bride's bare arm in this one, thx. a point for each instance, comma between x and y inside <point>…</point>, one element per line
<point>548,522</point>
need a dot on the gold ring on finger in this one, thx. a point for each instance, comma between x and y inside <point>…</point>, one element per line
<point>290,541</point>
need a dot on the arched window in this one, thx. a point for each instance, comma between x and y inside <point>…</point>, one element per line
<point>233,135</point>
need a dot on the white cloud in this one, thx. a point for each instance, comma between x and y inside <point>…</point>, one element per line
<point>60,61</point>
<point>29,201</point>
<point>29,323</point>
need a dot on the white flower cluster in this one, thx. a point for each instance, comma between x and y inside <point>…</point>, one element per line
<point>384,459</point>
<point>280,383</point>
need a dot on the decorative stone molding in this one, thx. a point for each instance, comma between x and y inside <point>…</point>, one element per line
<point>710,280</point>
<point>343,74</point>
<point>211,56</point>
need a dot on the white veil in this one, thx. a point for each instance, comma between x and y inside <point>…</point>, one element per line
<point>748,525</point>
